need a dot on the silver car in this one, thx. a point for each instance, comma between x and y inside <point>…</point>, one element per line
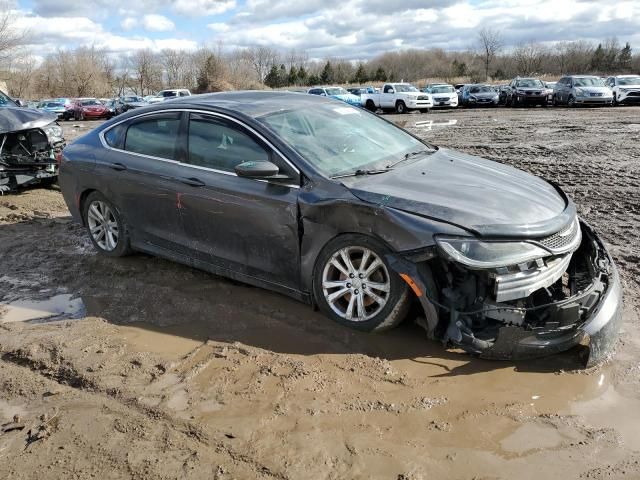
<point>581,90</point>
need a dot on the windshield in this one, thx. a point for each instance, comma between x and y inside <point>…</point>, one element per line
<point>442,89</point>
<point>405,87</point>
<point>481,89</point>
<point>629,81</point>
<point>588,82</point>
<point>6,101</point>
<point>341,139</point>
<point>529,83</point>
<point>336,91</point>
<point>53,105</point>
<point>132,99</point>
<point>90,102</point>
<point>168,93</point>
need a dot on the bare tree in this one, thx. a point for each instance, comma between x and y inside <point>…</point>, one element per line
<point>146,71</point>
<point>10,36</point>
<point>490,44</point>
<point>529,58</point>
<point>262,59</point>
<point>173,62</point>
<point>21,74</point>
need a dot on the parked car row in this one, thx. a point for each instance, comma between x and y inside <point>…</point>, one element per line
<point>571,90</point>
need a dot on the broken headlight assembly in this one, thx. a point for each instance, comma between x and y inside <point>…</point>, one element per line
<point>479,254</point>
<point>53,131</point>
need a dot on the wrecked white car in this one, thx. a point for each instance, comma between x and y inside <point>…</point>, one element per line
<point>30,141</point>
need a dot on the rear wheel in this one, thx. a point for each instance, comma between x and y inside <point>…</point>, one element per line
<point>107,230</point>
<point>354,285</point>
<point>370,106</point>
<point>401,107</point>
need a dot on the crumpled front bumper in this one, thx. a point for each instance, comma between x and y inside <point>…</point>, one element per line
<point>599,332</point>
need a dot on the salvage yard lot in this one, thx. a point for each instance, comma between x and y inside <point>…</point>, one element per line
<point>169,372</point>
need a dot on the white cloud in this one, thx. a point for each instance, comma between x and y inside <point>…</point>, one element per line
<point>199,8</point>
<point>129,23</point>
<point>157,23</point>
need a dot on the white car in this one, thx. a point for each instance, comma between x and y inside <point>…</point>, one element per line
<point>399,97</point>
<point>173,93</point>
<point>444,95</point>
<point>626,88</point>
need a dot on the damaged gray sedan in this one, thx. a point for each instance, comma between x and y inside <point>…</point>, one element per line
<point>339,208</point>
<point>30,141</point>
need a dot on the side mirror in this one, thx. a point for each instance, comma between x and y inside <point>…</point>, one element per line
<point>20,103</point>
<point>256,169</point>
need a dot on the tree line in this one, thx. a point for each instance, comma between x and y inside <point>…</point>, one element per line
<point>88,71</point>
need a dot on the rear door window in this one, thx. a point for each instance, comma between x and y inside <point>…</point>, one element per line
<point>156,136</point>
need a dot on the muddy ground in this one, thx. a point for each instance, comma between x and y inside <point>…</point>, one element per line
<point>151,370</point>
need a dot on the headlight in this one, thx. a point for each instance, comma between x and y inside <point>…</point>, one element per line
<point>624,89</point>
<point>478,254</point>
<point>53,131</point>
<point>579,92</point>
<point>471,97</point>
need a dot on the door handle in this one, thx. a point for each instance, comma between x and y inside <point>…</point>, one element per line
<point>118,166</point>
<point>194,182</point>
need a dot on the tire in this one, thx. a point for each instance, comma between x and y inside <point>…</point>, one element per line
<point>96,206</point>
<point>333,276</point>
<point>571,101</point>
<point>370,106</point>
<point>615,100</point>
<point>401,108</point>
<point>554,101</point>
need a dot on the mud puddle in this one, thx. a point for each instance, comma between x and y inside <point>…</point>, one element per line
<point>59,307</point>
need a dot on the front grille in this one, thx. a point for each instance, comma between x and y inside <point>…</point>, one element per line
<point>442,99</point>
<point>596,94</point>
<point>633,94</point>
<point>563,239</point>
<point>423,97</point>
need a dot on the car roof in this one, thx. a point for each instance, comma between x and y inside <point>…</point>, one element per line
<point>253,103</point>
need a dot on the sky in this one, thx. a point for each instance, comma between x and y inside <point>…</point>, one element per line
<point>348,29</point>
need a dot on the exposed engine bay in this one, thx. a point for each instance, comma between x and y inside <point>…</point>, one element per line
<point>28,155</point>
<point>532,309</point>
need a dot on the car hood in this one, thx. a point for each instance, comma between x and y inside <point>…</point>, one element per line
<point>485,197</point>
<point>136,104</point>
<point>347,98</point>
<point>13,119</point>
<point>595,89</point>
<point>483,94</point>
<point>531,89</point>
<point>635,85</point>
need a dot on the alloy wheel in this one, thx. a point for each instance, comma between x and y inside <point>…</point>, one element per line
<point>356,283</point>
<point>103,225</point>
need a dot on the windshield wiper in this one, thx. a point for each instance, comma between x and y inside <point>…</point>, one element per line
<point>360,172</point>
<point>407,157</point>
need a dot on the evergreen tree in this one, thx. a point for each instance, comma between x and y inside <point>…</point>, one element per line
<point>313,80</point>
<point>283,76</point>
<point>458,69</point>
<point>292,79</point>
<point>380,75</point>
<point>271,80</point>
<point>598,59</point>
<point>360,75</point>
<point>211,75</point>
<point>302,76</point>
<point>625,58</point>
<point>327,73</point>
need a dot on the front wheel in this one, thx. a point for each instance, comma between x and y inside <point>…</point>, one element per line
<point>571,101</point>
<point>401,107</point>
<point>615,100</point>
<point>106,228</point>
<point>354,285</point>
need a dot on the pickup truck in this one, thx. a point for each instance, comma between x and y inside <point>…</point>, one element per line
<point>398,97</point>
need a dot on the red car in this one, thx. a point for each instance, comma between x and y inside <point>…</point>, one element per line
<point>89,108</point>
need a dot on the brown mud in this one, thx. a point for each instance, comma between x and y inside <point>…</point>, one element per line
<point>141,368</point>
